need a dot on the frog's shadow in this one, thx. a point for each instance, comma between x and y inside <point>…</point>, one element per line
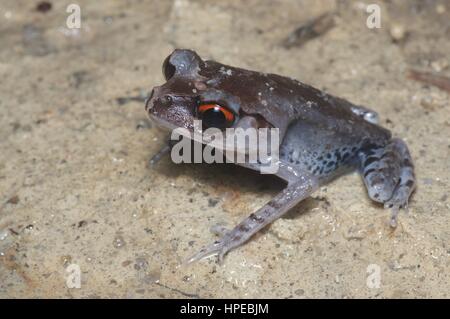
<point>234,178</point>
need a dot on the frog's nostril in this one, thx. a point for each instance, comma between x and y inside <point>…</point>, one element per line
<point>166,100</point>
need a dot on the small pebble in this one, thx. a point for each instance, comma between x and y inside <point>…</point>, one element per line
<point>439,65</point>
<point>397,32</point>
<point>66,260</point>
<point>3,234</point>
<point>440,8</point>
<point>119,242</point>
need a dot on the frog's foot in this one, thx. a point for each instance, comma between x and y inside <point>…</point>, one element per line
<point>395,206</point>
<point>219,247</point>
<point>399,199</point>
<point>389,176</point>
<point>278,206</point>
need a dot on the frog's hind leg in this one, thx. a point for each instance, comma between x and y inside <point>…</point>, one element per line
<point>388,174</point>
<point>407,182</point>
<point>299,187</point>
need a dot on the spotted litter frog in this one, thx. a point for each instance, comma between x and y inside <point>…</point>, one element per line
<point>322,136</point>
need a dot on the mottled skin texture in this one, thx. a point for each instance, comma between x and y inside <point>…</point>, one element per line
<point>322,136</point>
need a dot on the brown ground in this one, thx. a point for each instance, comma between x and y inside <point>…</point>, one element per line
<point>75,189</point>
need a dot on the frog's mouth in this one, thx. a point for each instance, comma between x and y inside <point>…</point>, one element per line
<point>178,118</point>
<point>161,123</point>
<point>219,140</point>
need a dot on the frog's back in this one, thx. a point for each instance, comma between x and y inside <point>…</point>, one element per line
<point>326,135</point>
<point>284,101</point>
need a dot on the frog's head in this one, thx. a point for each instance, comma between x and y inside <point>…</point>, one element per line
<point>174,103</point>
<point>220,96</point>
<point>203,90</point>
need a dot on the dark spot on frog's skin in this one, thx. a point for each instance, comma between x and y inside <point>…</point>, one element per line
<point>329,156</point>
<point>337,154</point>
<point>369,172</point>
<point>386,154</point>
<point>244,228</point>
<point>274,204</point>
<point>370,160</point>
<point>256,218</point>
<point>331,164</point>
<point>409,183</point>
<point>237,237</point>
<point>377,180</point>
<point>407,162</point>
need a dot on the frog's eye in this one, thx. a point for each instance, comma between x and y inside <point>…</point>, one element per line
<point>215,115</point>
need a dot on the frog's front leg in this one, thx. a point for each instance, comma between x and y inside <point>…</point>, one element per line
<point>160,154</point>
<point>295,192</point>
<point>163,151</point>
<point>388,174</point>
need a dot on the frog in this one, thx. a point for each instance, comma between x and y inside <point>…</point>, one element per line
<point>322,136</point>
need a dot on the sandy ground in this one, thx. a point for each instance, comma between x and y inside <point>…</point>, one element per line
<point>74,141</point>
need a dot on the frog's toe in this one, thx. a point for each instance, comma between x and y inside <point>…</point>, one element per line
<point>389,176</point>
<point>399,200</point>
<point>217,248</point>
<point>395,209</point>
<point>396,203</point>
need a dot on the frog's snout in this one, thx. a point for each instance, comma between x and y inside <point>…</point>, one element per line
<point>154,98</point>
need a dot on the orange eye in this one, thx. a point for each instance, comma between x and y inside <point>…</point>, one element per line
<point>215,115</point>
